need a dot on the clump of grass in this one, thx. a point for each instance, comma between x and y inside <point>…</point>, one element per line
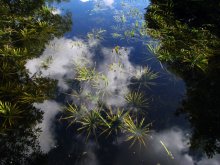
<point>136,99</point>
<point>96,34</point>
<point>84,73</point>
<point>110,122</point>
<point>116,35</point>
<point>90,123</point>
<point>74,114</point>
<point>114,121</point>
<point>146,77</point>
<point>136,131</point>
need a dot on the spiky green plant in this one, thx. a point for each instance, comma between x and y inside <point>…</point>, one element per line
<point>10,113</point>
<point>147,77</point>
<point>113,122</point>
<point>85,74</point>
<point>96,34</point>
<point>136,131</point>
<point>73,113</point>
<point>90,123</point>
<point>136,99</point>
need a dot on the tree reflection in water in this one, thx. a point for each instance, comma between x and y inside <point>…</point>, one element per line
<point>188,34</point>
<point>25,27</point>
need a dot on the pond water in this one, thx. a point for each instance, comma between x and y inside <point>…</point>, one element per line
<point>104,59</point>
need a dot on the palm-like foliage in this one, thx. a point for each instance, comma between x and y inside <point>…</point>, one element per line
<point>113,122</point>
<point>10,113</point>
<point>136,99</point>
<point>109,122</point>
<point>74,114</point>
<point>85,74</point>
<point>146,77</point>
<point>137,131</point>
<point>90,123</point>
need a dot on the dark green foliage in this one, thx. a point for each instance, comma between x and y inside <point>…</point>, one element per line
<point>26,26</point>
<point>179,39</point>
<point>188,37</point>
<point>108,123</point>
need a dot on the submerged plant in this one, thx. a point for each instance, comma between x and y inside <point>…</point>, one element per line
<point>96,34</point>
<point>120,18</point>
<point>110,122</point>
<point>113,122</point>
<point>90,123</point>
<point>146,77</point>
<point>85,74</point>
<point>116,35</point>
<point>136,131</point>
<point>73,113</point>
<point>136,99</point>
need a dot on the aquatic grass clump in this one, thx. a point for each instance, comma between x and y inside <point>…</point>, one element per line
<point>114,121</point>
<point>73,114</point>
<point>146,77</point>
<point>136,130</point>
<point>137,100</point>
<point>96,34</point>
<point>84,73</point>
<point>108,123</point>
<point>89,123</point>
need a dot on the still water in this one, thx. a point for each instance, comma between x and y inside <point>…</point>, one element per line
<point>109,36</point>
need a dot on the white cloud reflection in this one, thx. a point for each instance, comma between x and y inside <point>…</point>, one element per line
<point>60,57</point>
<point>58,62</point>
<point>176,141</point>
<point>47,136</point>
<point>106,2</point>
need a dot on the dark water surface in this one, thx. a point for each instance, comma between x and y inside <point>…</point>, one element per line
<point>108,35</point>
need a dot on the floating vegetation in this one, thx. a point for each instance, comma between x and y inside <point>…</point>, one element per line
<point>135,13</point>
<point>114,121</point>
<point>90,123</point>
<point>129,33</point>
<point>135,29</point>
<point>96,34</point>
<point>120,18</point>
<point>109,122</point>
<point>137,100</point>
<point>116,49</point>
<point>136,131</point>
<point>74,113</point>
<point>116,35</point>
<point>146,77</point>
<point>115,67</point>
<point>85,74</point>
<point>154,47</point>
